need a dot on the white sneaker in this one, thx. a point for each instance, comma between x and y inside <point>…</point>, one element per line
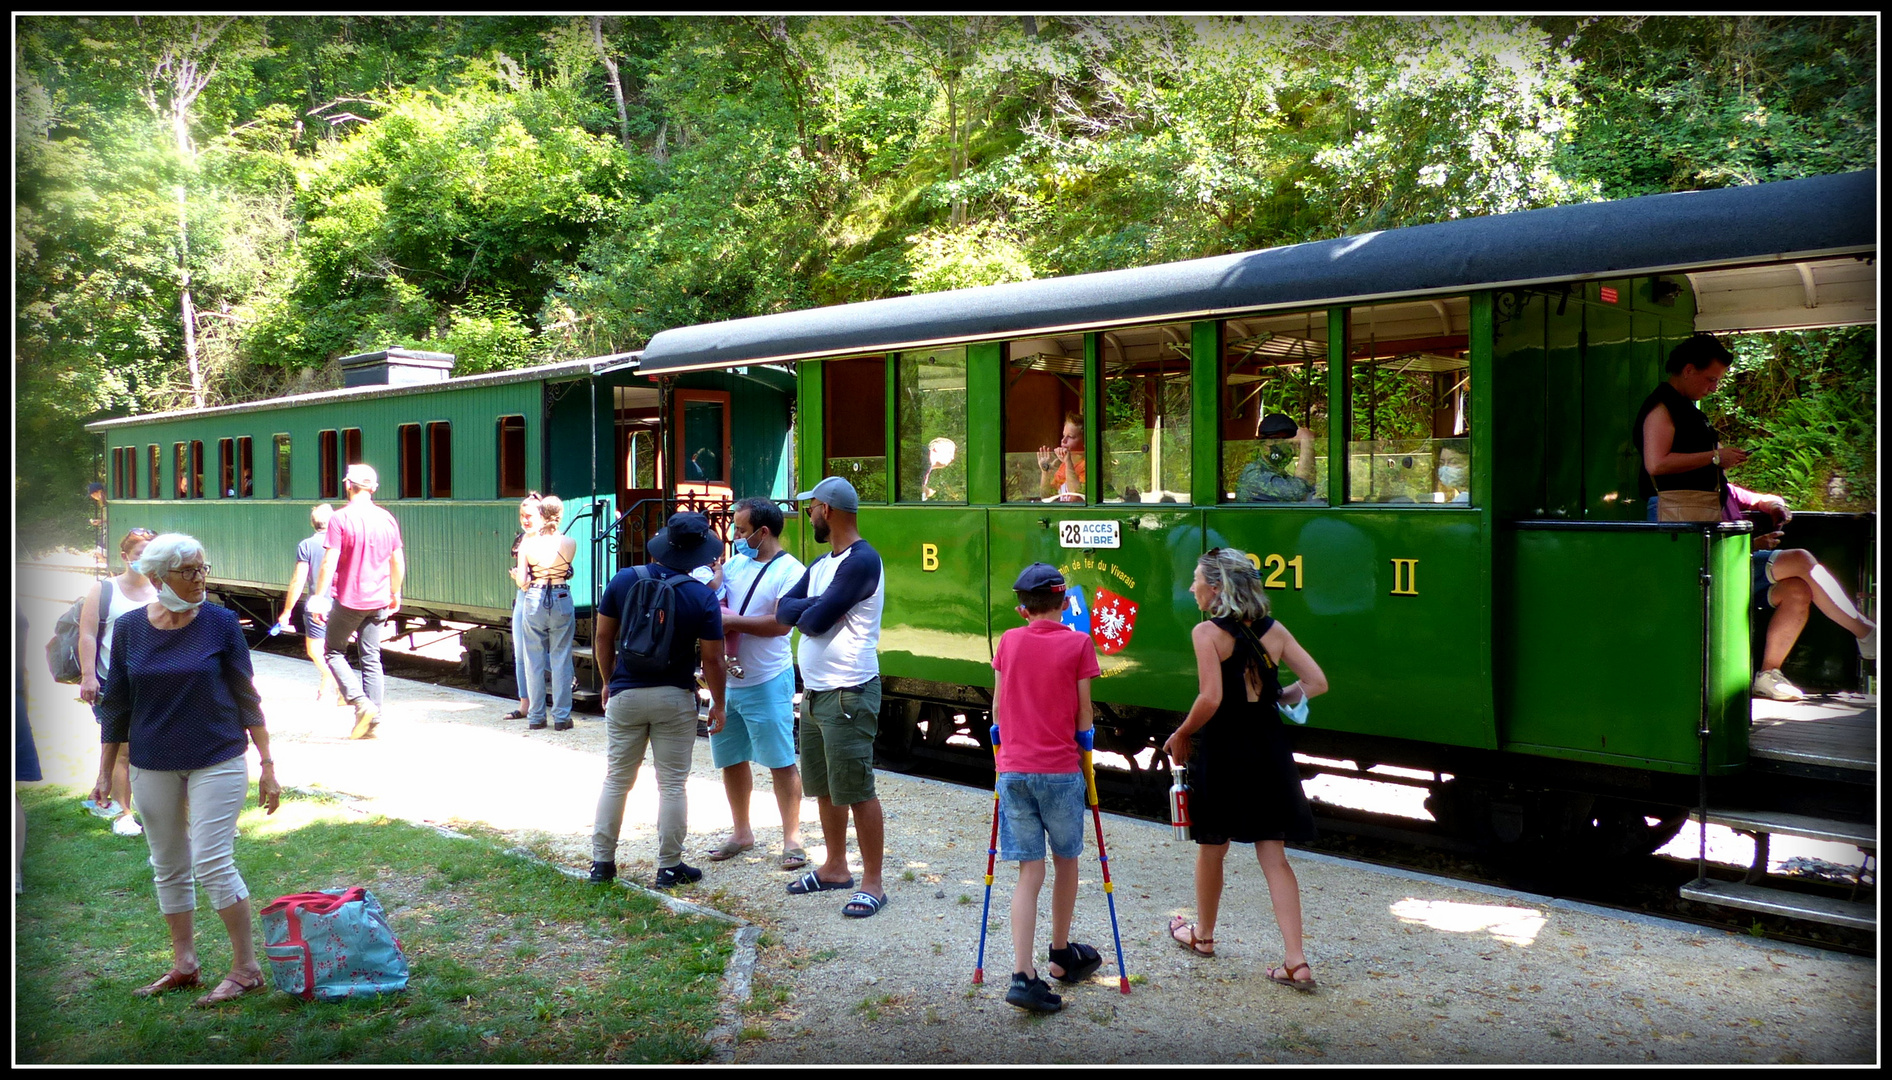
<point>1772,684</point>
<point>1869,645</point>
<point>127,826</point>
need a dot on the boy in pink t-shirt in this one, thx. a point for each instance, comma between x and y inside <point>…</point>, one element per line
<point>1041,714</point>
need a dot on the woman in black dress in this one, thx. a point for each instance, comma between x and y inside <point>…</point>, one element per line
<point>1243,784</point>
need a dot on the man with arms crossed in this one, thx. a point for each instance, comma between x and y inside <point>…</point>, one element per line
<point>836,606</point>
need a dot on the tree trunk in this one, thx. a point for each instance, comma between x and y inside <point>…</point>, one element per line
<point>187,308</point>
<point>611,76</point>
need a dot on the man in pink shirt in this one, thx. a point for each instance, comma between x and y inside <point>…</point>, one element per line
<point>1041,713</point>
<point>367,567</point>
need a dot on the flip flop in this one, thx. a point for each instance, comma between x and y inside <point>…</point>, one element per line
<point>1282,975</point>
<point>809,883</point>
<point>863,904</point>
<point>729,850</point>
<point>1193,943</point>
<point>793,859</point>
<point>217,996</point>
<point>173,980</point>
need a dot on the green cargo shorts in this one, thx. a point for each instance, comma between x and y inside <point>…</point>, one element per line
<point>837,742</point>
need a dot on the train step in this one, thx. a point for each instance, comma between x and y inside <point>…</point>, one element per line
<point>1736,894</point>
<point>1862,834</point>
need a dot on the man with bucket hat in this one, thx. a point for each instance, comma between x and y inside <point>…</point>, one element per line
<point>836,606</point>
<point>655,623</point>
<point>367,566</point>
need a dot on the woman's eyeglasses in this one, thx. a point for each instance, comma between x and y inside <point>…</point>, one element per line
<point>196,573</point>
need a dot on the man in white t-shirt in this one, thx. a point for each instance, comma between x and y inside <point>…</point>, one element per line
<point>760,702</point>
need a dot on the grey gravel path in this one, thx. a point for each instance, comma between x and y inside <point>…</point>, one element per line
<point>1411,969</point>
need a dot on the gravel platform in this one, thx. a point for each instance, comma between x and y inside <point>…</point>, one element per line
<point>1411,969</point>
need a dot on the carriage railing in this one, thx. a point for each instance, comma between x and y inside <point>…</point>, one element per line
<point>628,535</point>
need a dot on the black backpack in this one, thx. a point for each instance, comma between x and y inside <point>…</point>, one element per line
<point>648,626</point>
<point>62,652</point>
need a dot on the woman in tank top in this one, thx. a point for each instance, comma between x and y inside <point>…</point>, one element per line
<point>130,591</point>
<point>1244,786</point>
<point>546,618</point>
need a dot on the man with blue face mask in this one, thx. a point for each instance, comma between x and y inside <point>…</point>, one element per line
<point>1283,471</point>
<point>760,703</point>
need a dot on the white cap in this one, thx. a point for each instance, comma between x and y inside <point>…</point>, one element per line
<point>363,476</point>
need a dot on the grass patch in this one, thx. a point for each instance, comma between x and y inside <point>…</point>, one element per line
<point>512,961</point>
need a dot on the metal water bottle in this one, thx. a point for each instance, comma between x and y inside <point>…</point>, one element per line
<point>1179,801</point>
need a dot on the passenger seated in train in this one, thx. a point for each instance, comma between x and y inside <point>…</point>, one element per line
<point>1284,470</point>
<point>1061,468</point>
<point>1455,475</point>
<point>1682,469</point>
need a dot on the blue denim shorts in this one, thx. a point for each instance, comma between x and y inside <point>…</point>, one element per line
<point>1034,806</point>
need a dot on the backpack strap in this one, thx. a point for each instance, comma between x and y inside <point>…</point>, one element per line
<point>624,615</point>
<point>105,615</point>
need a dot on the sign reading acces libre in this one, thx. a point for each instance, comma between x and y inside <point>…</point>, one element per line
<point>1090,534</point>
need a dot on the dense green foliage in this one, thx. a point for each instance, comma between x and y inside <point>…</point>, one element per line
<point>293,189</point>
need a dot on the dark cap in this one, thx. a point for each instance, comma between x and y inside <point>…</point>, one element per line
<point>1038,576</point>
<point>1278,426</point>
<point>685,543</point>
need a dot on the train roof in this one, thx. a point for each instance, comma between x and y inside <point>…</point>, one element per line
<point>1785,223</point>
<point>564,369</point>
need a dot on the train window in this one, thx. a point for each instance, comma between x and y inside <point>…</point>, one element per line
<point>702,442</point>
<point>327,453</point>
<point>180,471</point>
<point>226,468</point>
<point>156,456</point>
<point>1409,400</point>
<point>1044,420</point>
<point>1274,409</point>
<point>197,469</point>
<point>854,423</point>
<point>440,460</point>
<point>351,447</point>
<point>1145,444</point>
<point>931,413</point>
<point>281,443</point>
<point>512,457</point>
<point>118,473</point>
<point>246,475</point>
<point>408,438</point>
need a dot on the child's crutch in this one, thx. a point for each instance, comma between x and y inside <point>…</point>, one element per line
<point>1085,740</point>
<point>991,860</point>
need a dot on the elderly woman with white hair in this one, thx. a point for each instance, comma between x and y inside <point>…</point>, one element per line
<point>181,693</point>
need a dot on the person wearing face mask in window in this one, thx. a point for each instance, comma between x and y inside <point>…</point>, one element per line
<point>1284,471</point>
<point>1454,475</point>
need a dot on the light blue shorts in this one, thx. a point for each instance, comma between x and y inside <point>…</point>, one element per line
<point>760,725</point>
<point>1034,806</point>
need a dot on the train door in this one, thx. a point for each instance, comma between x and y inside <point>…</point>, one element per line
<point>639,455</point>
<point>1347,474</point>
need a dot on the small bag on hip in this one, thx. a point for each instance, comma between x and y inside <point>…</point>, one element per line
<point>330,946</point>
<point>1688,506</point>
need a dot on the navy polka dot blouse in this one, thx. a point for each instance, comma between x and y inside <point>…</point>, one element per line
<point>182,697</point>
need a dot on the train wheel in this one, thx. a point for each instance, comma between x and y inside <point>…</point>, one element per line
<point>1619,829</point>
<point>899,733</point>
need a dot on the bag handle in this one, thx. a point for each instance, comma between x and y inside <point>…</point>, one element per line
<point>320,903</point>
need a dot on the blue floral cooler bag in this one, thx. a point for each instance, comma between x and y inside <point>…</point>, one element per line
<point>330,946</point>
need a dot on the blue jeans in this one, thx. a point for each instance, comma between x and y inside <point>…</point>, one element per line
<point>519,644</point>
<point>545,613</point>
<point>365,627</point>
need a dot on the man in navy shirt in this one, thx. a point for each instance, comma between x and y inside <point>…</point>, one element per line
<point>658,709</point>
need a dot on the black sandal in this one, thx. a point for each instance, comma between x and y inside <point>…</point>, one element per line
<point>1078,961</point>
<point>514,715</point>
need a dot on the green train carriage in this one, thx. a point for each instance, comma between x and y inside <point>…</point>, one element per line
<point>1574,667</point>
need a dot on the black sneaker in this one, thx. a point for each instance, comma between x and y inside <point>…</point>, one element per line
<point>1032,994</point>
<point>670,877</point>
<point>603,873</point>
<point>566,726</point>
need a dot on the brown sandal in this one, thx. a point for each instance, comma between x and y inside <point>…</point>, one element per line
<point>1285,976</point>
<point>218,996</point>
<point>1193,943</point>
<point>173,980</point>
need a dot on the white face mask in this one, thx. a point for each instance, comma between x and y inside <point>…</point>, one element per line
<point>174,602</point>
<point>1452,475</point>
